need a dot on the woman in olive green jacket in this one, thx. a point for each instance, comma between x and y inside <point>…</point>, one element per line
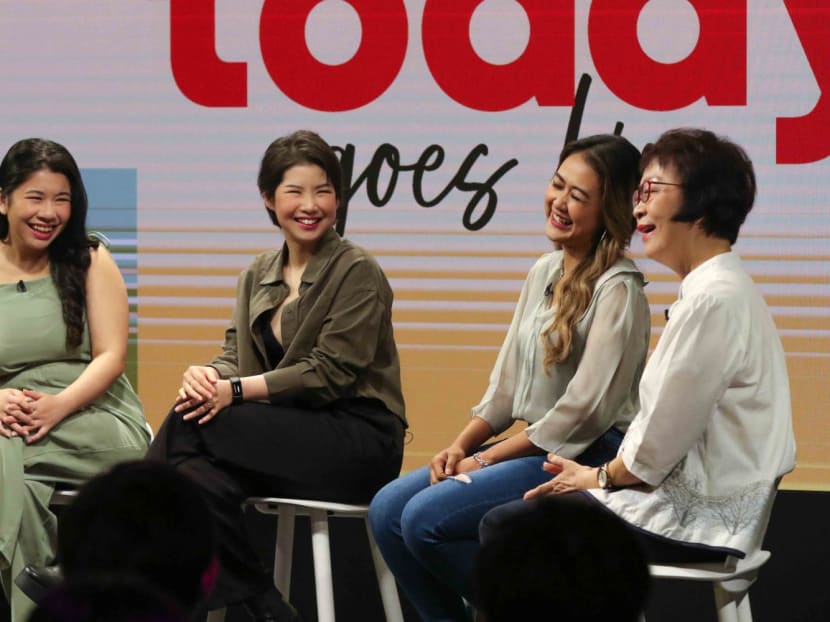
<point>305,399</point>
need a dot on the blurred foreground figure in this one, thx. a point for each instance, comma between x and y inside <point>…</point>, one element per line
<point>108,599</point>
<point>566,559</point>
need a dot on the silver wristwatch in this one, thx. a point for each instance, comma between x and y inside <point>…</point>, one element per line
<point>604,478</point>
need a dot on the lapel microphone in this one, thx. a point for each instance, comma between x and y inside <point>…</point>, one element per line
<point>21,286</point>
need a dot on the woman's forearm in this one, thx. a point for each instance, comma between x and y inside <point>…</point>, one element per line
<point>517,446</point>
<point>93,382</point>
<point>476,432</point>
<point>620,475</point>
<point>254,387</point>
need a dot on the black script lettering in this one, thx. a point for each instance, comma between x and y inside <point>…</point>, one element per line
<point>431,159</point>
<point>436,154</point>
<point>385,154</point>
<point>578,110</point>
<point>481,189</point>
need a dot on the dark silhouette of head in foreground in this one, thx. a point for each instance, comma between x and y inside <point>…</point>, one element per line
<point>108,598</point>
<point>145,519</point>
<point>564,559</point>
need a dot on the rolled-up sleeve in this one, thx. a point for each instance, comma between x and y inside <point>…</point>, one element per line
<point>682,384</point>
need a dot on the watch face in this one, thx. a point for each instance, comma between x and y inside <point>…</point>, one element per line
<point>602,477</point>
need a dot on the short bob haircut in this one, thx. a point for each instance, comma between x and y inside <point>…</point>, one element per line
<point>300,147</point>
<point>717,177</point>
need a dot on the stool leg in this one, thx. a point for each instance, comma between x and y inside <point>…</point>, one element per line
<point>386,582</point>
<point>217,615</point>
<point>284,549</point>
<point>322,565</point>
<point>739,592</point>
<point>744,610</point>
<point>725,604</point>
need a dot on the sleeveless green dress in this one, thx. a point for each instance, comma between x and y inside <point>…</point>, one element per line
<point>112,429</point>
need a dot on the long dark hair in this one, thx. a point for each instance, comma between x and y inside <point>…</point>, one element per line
<point>69,252</point>
<point>616,163</point>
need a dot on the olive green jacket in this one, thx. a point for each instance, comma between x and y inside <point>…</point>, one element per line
<point>337,335</point>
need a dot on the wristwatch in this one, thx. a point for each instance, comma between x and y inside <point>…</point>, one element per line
<point>604,478</point>
<point>236,390</point>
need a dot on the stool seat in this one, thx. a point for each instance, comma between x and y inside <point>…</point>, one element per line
<point>319,512</point>
<point>270,505</point>
<point>63,496</point>
<point>730,581</point>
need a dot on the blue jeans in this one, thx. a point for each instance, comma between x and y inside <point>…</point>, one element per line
<point>428,535</point>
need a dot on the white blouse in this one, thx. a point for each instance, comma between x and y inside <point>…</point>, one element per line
<point>595,388</point>
<point>714,432</point>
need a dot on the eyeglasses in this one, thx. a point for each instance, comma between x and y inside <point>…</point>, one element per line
<point>643,193</point>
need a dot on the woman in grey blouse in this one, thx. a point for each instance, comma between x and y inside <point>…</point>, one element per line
<point>569,367</point>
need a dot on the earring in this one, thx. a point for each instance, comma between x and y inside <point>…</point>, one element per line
<point>602,237</point>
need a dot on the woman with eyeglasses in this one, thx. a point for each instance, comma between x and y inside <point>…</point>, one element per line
<point>699,466</point>
<point>569,367</point>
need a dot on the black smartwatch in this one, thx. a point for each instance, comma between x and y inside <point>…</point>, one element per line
<point>604,478</point>
<point>236,390</point>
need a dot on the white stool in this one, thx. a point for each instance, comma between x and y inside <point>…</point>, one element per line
<point>318,513</point>
<point>731,582</point>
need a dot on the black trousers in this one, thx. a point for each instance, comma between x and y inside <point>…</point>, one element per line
<point>345,453</point>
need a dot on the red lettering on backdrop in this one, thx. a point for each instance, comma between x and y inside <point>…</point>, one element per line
<point>333,88</point>
<point>805,139</point>
<point>200,74</point>
<point>544,71</point>
<point>715,69</point>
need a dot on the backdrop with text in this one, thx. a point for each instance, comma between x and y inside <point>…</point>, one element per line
<point>448,117</point>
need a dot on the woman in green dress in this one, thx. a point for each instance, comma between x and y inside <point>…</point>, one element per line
<point>66,409</point>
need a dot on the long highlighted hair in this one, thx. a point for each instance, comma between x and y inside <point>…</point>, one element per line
<point>616,162</point>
